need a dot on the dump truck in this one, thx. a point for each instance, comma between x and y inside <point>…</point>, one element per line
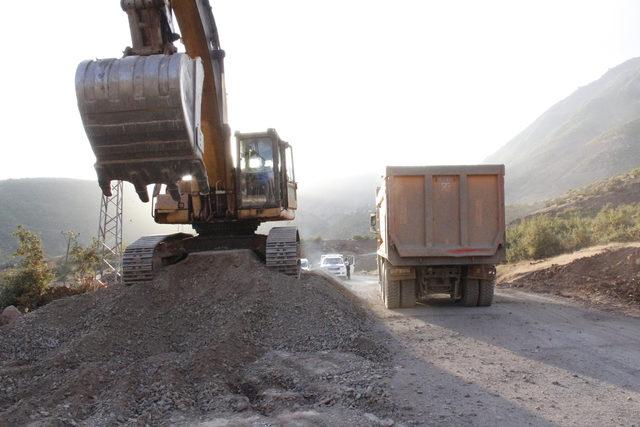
<point>440,230</point>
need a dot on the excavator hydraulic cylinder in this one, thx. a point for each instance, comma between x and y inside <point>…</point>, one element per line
<point>142,117</point>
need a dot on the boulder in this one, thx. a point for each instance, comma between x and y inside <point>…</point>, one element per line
<point>9,315</point>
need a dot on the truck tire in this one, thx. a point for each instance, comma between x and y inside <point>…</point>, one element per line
<point>408,294</point>
<point>381,278</point>
<point>391,290</point>
<point>487,289</point>
<point>392,294</point>
<point>470,292</point>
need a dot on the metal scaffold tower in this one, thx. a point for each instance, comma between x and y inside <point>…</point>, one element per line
<point>110,235</point>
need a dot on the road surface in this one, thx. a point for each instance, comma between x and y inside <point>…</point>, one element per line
<point>526,360</point>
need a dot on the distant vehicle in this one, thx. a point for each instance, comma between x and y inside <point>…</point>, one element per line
<point>334,264</point>
<point>305,264</point>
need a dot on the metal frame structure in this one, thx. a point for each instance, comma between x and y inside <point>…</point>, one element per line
<point>110,235</point>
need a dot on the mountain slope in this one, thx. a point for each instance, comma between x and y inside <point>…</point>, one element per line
<point>588,201</point>
<point>49,206</point>
<point>591,135</point>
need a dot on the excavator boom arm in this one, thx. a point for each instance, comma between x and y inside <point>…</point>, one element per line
<point>200,37</point>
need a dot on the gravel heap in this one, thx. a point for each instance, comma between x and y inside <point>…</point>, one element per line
<point>217,339</point>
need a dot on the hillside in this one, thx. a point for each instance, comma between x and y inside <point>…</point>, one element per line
<point>49,206</point>
<point>589,200</point>
<point>600,213</point>
<point>589,136</point>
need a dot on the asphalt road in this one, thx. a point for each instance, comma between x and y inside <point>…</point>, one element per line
<point>526,360</point>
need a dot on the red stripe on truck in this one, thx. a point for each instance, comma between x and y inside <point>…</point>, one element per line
<point>467,250</point>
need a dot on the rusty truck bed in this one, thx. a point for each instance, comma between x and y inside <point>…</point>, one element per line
<point>439,215</point>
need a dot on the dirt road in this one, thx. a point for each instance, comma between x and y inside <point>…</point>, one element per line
<point>527,360</point>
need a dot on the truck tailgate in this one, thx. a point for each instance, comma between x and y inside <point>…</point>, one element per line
<point>446,211</point>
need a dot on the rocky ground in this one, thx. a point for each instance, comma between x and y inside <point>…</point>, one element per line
<point>216,339</point>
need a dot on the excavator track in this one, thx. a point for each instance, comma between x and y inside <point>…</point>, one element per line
<point>144,257</point>
<point>283,250</point>
<point>141,258</point>
<point>137,261</point>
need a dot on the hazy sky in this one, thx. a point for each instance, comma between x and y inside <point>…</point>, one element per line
<point>352,84</point>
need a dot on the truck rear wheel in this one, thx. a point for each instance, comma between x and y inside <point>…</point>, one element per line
<point>381,278</point>
<point>391,290</point>
<point>487,289</point>
<point>408,294</point>
<point>470,292</point>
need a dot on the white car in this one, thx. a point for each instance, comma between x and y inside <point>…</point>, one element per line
<point>334,264</point>
<point>304,264</point>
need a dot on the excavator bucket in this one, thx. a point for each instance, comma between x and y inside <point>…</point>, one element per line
<point>142,117</point>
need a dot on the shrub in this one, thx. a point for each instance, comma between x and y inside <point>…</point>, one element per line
<point>26,283</point>
<point>619,224</point>
<point>84,263</point>
<point>544,236</point>
<point>536,238</point>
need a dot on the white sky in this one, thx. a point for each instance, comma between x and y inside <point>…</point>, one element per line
<point>352,84</point>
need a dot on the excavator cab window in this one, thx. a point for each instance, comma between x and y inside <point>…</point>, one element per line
<point>289,186</point>
<point>266,178</point>
<point>257,172</point>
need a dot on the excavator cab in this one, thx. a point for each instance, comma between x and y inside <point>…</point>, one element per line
<point>265,175</point>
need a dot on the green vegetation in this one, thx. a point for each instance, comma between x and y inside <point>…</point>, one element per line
<point>33,281</point>
<point>544,235</point>
<point>28,281</point>
<point>81,265</point>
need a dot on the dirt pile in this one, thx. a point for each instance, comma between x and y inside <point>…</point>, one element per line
<point>216,337</point>
<point>610,276</point>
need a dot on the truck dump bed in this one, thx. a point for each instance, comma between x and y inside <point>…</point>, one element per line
<point>442,215</point>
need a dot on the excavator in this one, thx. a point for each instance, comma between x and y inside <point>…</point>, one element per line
<point>158,116</point>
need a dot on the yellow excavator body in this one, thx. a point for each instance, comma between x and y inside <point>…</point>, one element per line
<point>159,117</point>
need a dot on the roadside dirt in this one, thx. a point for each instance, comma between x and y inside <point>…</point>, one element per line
<point>216,339</point>
<point>604,275</point>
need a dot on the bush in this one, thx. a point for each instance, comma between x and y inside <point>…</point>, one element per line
<point>544,236</point>
<point>536,238</point>
<point>28,284</point>
<point>84,263</point>
<point>621,224</point>
<point>25,284</point>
